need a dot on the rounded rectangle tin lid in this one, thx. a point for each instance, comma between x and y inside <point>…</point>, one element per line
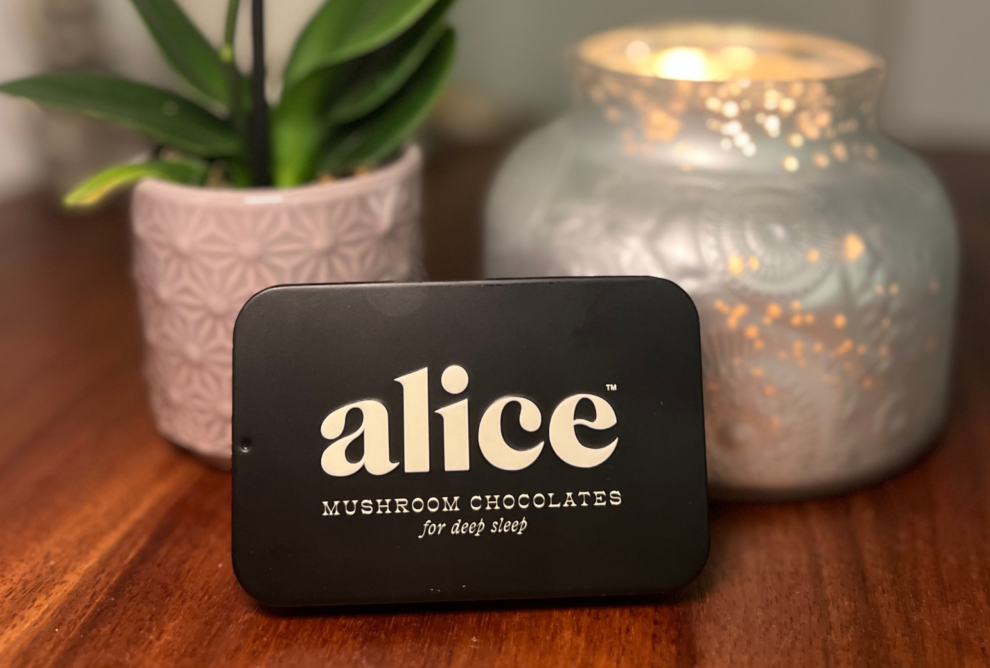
<point>464,441</point>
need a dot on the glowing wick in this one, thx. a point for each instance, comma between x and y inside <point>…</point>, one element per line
<point>683,63</point>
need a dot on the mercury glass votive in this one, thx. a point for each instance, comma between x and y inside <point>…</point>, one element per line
<point>745,164</point>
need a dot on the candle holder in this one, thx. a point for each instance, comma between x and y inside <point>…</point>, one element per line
<point>745,164</point>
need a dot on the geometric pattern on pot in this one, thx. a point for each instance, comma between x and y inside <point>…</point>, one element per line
<point>200,254</point>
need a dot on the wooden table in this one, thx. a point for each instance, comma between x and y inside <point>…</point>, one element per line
<point>114,545</point>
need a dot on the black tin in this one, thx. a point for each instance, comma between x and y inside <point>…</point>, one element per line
<point>426,504</point>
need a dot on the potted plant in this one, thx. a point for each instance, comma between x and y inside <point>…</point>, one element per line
<point>238,196</point>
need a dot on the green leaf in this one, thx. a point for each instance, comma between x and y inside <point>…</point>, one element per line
<point>383,72</point>
<point>97,188</point>
<point>374,138</point>
<point>239,173</point>
<point>300,127</point>
<point>185,48</point>
<point>165,117</point>
<point>345,29</point>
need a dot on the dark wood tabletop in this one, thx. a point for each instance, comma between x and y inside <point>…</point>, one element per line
<point>115,545</point>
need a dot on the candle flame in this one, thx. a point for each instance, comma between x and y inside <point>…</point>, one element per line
<point>695,64</point>
<point>723,52</point>
<point>683,63</point>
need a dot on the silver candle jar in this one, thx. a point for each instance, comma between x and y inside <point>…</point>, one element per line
<point>745,164</point>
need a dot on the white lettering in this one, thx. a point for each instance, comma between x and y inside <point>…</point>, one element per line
<point>456,449</point>
<point>373,431</point>
<point>493,446</point>
<point>416,420</point>
<point>374,428</point>
<point>564,440</point>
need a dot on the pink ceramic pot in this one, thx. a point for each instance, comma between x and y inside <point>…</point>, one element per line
<point>200,253</point>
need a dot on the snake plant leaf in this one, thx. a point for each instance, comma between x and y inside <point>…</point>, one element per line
<point>185,48</point>
<point>346,29</point>
<point>97,188</point>
<point>381,73</point>
<point>374,138</point>
<point>165,117</point>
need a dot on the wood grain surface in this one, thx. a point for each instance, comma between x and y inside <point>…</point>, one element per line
<point>114,545</point>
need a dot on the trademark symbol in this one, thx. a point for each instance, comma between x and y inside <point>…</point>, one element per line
<point>611,387</point>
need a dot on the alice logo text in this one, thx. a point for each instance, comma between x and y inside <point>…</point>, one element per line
<point>456,451</point>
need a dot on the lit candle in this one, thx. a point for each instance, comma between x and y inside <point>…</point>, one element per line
<point>745,164</point>
<point>724,53</point>
<point>713,96</point>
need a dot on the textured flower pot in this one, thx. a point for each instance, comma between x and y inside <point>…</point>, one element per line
<point>199,254</point>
